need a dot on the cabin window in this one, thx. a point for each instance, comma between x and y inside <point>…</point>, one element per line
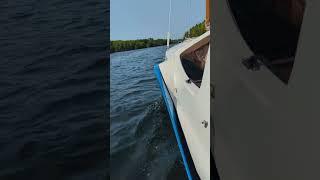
<point>193,61</point>
<point>271,29</point>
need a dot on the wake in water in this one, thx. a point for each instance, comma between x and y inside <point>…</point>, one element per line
<point>142,141</point>
<point>152,152</point>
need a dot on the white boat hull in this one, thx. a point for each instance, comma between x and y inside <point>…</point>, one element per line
<point>192,104</point>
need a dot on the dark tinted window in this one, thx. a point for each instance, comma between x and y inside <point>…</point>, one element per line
<point>271,29</point>
<point>193,62</point>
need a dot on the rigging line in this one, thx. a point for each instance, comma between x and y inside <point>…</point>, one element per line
<point>190,25</point>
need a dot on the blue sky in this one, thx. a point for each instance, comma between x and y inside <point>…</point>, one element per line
<point>137,19</point>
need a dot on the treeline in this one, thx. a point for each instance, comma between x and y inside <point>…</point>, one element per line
<point>196,30</point>
<point>126,45</point>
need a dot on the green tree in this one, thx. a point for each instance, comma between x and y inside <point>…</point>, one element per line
<point>196,30</point>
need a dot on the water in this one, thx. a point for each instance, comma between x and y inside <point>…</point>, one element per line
<point>53,89</point>
<point>142,143</point>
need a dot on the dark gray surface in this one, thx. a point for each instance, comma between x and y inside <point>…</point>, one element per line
<point>263,128</point>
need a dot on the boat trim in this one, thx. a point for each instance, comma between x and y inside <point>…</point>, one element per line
<point>183,147</point>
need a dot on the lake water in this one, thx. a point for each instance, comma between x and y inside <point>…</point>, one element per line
<point>53,91</point>
<point>142,143</point>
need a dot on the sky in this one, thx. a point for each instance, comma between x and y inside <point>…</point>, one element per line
<point>139,19</point>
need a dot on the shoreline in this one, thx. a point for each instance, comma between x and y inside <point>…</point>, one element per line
<point>134,49</point>
<point>126,45</point>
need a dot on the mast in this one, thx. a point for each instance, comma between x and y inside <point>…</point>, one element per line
<point>169,26</point>
<point>207,21</point>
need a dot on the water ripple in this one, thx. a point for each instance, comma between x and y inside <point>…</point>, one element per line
<point>53,89</point>
<point>142,142</point>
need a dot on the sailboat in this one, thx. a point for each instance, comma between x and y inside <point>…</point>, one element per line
<point>184,79</point>
<point>262,88</point>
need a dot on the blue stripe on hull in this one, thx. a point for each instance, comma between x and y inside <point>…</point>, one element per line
<point>173,118</point>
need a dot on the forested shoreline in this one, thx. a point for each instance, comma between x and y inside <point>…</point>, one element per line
<point>126,45</point>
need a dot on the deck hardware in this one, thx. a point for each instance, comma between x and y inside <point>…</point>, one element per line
<point>205,123</point>
<point>252,63</point>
